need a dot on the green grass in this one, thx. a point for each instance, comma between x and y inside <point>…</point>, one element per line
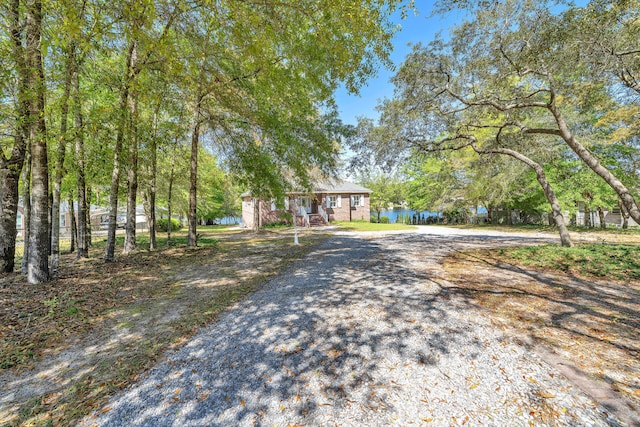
<point>545,228</point>
<point>621,262</point>
<point>370,226</point>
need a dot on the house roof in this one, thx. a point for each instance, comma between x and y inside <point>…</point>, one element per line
<point>340,187</point>
<point>334,187</point>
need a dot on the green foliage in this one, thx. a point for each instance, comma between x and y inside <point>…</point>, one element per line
<point>387,191</point>
<point>620,262</point>
<point>51,303</point>
<point>485,91</point>
<point>277,224</point>
<point>286,217</point>
<point>161,224</point>
<point>384,219</point>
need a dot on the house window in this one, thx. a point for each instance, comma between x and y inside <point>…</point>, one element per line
<point>356,200</point>
<point>334,201</point>
<point>19,221</point>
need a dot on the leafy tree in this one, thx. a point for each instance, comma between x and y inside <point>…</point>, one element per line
<point>387,191</point>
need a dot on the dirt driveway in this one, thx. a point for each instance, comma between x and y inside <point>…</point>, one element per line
<point>366,330</point>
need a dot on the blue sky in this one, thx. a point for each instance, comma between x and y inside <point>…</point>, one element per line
<point>414,29</point>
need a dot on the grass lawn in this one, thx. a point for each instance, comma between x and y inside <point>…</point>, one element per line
<point>370,226</point>
<point>634,231</point>
<point>619,262</point>
<point>98,325</point>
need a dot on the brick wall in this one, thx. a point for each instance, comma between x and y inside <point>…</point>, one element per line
<point>343,213</point>
<point>346,212</point>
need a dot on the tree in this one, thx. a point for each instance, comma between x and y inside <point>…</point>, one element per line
<point>17,130</point>
<point>38,267</point>
<point>387,190</point>
<point>518,60</point>
<point>260,100</point>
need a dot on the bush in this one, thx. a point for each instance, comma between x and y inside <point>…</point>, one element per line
<point>286,217</point>
<point>276,224</point>
<point>384,220</point>
<point>161,224</point>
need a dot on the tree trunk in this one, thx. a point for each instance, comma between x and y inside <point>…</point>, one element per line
<point>73,229</point>
<point>8,217</point>
<point>115,175</point>
<point>88,212</point>
<point>171,177</point>
<point>256,214</point>
<point>625,216</point>
<point>59,166</point>
<point>38,268</point>
<point>565,238</point>
<point>601,217</point>
<point>132,174</point>
<point>193,180</point>
<point>587,215</point>
<point>83,211</point>
<point>11,168</point>
<point>621,190</point>
<point>152,183</point>
<point>26,217</point>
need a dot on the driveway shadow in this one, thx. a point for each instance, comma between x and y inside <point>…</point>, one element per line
<point>315,340</point>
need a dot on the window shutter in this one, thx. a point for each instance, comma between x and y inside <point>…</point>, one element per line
<point>352,199</point>
<point>362,199</point>
<point>273,204</point>
<point>327,200</point>
<point>286,203</point>
<point>339,198</point>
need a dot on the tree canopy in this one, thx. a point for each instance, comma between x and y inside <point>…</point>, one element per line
<point>526,80</point>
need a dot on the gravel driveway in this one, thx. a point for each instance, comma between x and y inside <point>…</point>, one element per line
<point>363,332</point>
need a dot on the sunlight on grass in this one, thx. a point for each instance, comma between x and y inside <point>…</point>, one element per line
<point>620,262</point>
<point>369,226</point>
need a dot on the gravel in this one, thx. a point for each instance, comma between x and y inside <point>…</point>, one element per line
<point>363,332</point>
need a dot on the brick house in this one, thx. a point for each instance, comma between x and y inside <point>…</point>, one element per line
<point>340,201</point>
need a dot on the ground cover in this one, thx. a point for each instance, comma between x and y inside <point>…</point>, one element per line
<point>370,226</point>
<point>609,234</point>
<point>581,303</point>
<point>68,344</point>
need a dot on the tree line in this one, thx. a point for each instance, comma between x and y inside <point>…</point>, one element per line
<point>521,92</point>
<point>117,96</point>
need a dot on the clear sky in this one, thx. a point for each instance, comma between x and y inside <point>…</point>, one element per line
<point>414,29</point>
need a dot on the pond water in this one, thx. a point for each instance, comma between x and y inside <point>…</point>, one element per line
<point>399,213</point>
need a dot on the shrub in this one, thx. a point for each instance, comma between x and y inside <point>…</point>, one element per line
<point>161,224</point>
<point>286,217</point>
<point>276,224</point>
<point>384,220</point>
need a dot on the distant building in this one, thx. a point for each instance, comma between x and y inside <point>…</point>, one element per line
<point>339,201</point>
